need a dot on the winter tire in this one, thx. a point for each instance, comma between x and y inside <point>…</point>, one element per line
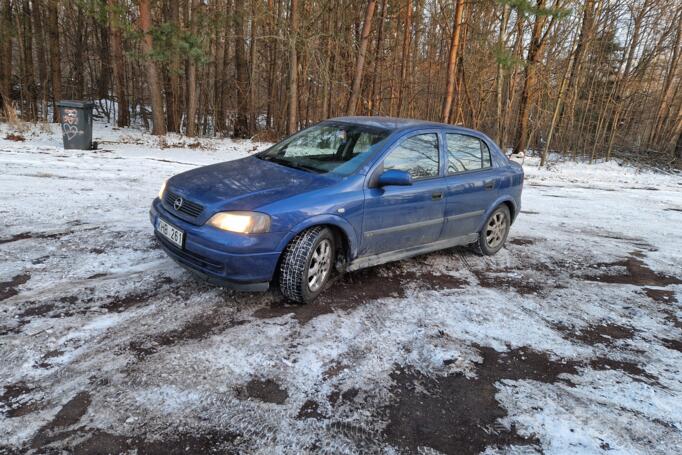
<point>307,264</point>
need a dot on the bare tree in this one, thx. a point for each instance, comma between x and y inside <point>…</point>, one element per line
<point>241,124</point>
<point>159,124</point>
<point>504,67</point>
<point>292,124</point>
<point>360,63</point>
<point>5,54</point>
<point>192,76</point>
<point>117,63</point>
<point>452,62</point>
<point>535,51</point>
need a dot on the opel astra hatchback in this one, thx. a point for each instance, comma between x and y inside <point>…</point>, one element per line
<point>347,193</point>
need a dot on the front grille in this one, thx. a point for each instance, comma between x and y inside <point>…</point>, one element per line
<point>188,207</point>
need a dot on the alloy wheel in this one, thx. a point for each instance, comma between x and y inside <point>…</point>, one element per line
<point>319,266</point>
<point>496,230</point>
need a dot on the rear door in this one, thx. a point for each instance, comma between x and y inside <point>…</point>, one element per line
<point>399,217</point>
<point>471,184</point>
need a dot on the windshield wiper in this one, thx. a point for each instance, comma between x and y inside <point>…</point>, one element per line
<point>291,164</point>
<point>308,168</point>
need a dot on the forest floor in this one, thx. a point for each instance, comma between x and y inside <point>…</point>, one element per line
<point>569,340</point>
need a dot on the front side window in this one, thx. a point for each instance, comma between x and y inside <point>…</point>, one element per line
<point>417,155</point>
<point>337,148</point>
<point>466,153</point>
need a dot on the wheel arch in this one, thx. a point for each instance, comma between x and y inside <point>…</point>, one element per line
<point>342,229</point>
<point>503,200</point>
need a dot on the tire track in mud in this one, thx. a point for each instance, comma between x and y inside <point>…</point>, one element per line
<point>69,415</point>
<point>9,288</point>
<point>455,414</point>
<point>458,415</point>
<point>197,328</point>
<point>354,289</point>
<point>255,426</point>
<point>636,273</point>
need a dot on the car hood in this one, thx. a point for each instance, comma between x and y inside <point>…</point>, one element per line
<point>243,184</point>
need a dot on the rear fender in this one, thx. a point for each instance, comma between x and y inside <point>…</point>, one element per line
<point>500,200</point>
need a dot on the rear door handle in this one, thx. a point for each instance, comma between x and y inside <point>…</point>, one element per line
<point>489,185</point>
<point>437,196</point>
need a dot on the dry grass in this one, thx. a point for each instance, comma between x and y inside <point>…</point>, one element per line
<point>266,136</point>
<point>11,116</point>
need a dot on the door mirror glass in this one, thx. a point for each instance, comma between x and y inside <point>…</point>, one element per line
<point>395,177</point>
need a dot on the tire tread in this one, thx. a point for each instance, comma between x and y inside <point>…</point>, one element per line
<point>294,261</point>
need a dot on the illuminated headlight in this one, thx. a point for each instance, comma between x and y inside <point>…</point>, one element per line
<point>163,189</point>
<point>242,222</point>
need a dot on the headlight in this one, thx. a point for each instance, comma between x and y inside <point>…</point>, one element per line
<point>163,189</point>
<point>242,222</point>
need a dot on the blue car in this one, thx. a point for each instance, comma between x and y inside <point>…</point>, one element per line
<point>344,194</point>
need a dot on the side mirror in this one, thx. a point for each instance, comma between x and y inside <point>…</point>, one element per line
<point>395,177</point>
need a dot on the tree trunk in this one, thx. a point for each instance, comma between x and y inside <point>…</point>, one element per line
<point>5,55</point>
<point>499,81</point>
<point>253,64</point>
<point>407,38</point>
<point>292,124</point>
<point>452,63</point>
<point>221,84</point>
<point>29,109</point>
<point>41,54</point>
<point>326,69</point>
<point>55,56</point>
<point>159,125</point>
<point>557,108</point>
<point>574,82</point>
<point>624,79</point>
<point>80,38</point>
<point>678,150</point>
<point>241,124</point>
<point>118,64</point>
<point>534,57</point>
<point>360,63</point>
<point>192,76</point>
<point>668,93</point>
<point>173,96</point>
<point>375,92</point>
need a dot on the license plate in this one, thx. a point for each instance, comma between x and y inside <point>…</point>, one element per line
<point>172,233</point>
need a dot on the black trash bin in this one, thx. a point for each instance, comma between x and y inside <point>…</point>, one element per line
<point>76,124</point>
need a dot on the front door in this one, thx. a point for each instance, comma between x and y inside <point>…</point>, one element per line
<point>400,217</point>
<point>471,184</point>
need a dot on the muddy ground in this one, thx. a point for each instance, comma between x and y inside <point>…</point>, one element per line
<point>568,341</point>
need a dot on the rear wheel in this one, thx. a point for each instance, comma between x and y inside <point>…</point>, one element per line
<point>307,264</point>
<point>494,233</point>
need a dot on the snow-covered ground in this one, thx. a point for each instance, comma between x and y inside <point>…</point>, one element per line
<point>567,341</point>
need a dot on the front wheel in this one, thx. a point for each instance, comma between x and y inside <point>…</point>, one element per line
<point>307,264</point>
<point>494,233</point>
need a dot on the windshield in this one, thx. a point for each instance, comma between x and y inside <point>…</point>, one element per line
<point>336,148</point>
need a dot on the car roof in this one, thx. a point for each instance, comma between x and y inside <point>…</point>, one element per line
<point>398,124</point>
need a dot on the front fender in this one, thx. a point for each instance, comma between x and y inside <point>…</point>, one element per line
<point>317,220</point>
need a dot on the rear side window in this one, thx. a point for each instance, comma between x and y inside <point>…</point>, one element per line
<point>417,155</point>
<point>466,153</point>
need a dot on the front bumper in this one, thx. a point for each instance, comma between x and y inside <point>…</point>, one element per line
<point>223,258</point>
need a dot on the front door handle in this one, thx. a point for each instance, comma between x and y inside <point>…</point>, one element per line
<point>437,196</point>
<point>489,185</point>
